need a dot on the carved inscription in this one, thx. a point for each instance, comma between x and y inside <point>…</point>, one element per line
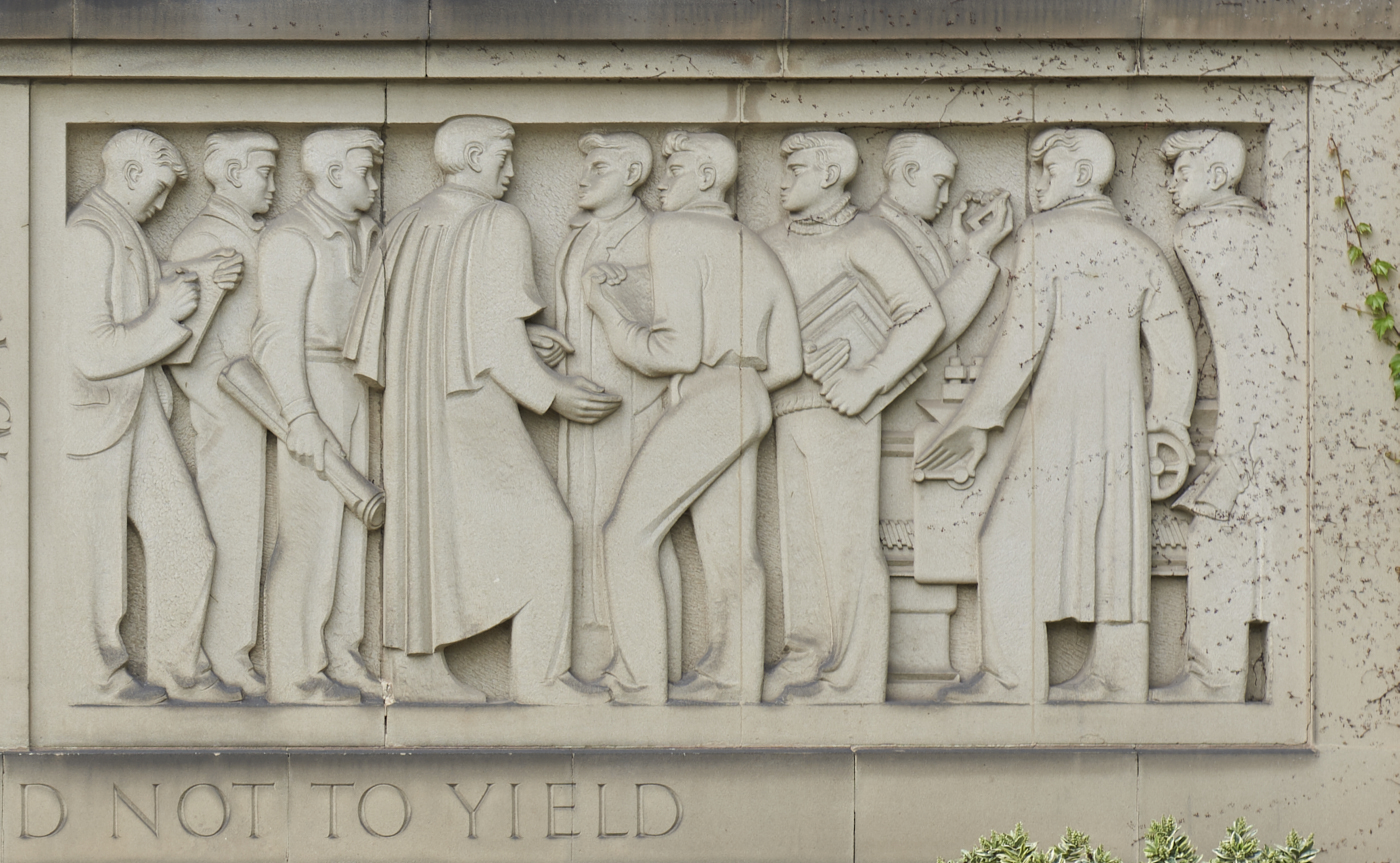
<point>379,810</point>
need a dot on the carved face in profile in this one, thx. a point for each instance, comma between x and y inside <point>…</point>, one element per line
<point>150,186</point>
<point>604,179</point>
<point>683,180</point>
<point>929,183</point>
<point>355,180</point>
<point>805,180</point>
<point>1194,180</point>
<point>498,165</point>
<point>1063,177</point>
<point>252,184</point>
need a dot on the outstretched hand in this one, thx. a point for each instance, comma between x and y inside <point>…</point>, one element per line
<point>580,400</point>
<point>958,448</point>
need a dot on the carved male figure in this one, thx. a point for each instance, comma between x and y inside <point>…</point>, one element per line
<point>230,445</point>
<point>919,169</point>
<point>610,227</point>
<point>476,532</point>
<point>126,308</point>
<point>309,264</point>
<point>1224,244</point>
<point>841,264</point>
<point>1070,523</point>
<point>724,331</point>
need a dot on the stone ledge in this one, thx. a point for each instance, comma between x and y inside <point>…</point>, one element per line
<point>748,20</point>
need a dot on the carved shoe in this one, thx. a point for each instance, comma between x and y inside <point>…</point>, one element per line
<point>1084,687</point>
<point>122,690</point>
<point>207,689</point>
<point>788,674</point>
<point>351,671</point>
<point>315,690</point>
<point>981,688</point>
<point>1190,687</point>
<point>624,694</point>
<point>700,688</point>
<point>247,679</point>
<point>567,689</point>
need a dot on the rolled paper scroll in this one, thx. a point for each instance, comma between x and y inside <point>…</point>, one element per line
<point>245,384</point>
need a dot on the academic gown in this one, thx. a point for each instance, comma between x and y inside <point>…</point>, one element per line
<point>475,526</point>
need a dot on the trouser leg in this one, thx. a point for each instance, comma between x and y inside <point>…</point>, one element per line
<point>230,467</point>
<point>726,532</point>
<point>1005,597</point>
<point>843,463</point>
<point>718,416</point>
<point>349,422</point>
<point>807,613</point>
<point>539,643</point>
<point>1221,566</point>
<point>179,551</point>
<point>99,484</point>
<point>301,579</point>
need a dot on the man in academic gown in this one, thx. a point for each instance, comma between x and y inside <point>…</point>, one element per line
<point>1068,534</point>
<point>475,532</point>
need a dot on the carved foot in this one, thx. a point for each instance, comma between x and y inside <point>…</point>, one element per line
<point>788,673</point>
<point>981,688</point>
<point>122,690</point>
<point>247,679</point>
<point>568,690</point>
<point>350,671</point>
<point>316,690</point>
<point>699,688</point>
<point>426,679</point>
<point>208,689</point>
<point>624,694</point>
<point>1189,687</point>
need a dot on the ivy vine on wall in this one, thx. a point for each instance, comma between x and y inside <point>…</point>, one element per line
<point>1378,305</point>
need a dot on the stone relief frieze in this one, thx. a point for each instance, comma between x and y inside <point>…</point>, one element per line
<point>886,444</point>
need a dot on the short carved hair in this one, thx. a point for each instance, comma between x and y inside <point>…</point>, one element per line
<point>1217,146</point>
<point>833,148</point>
<point>330,147</point>
<point>712,148</point>
<point>223,148</point>
<point>459,133</point>
<point>143,147</point>
<point>906,147</point>
<point>1090,144</point>
<point>633,147</point>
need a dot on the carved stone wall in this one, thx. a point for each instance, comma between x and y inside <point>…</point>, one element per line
<point>1257,520</point>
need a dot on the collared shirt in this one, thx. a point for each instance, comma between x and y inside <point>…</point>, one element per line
<point>309,262</point>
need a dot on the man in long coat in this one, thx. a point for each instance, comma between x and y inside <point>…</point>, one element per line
<point>475,531</point>
<point>1068,534</point>
<point>1224,244</point>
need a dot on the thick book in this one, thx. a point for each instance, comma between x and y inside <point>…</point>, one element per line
<point>850,309</point>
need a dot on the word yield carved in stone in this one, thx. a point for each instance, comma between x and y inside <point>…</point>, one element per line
<point>872,409</point>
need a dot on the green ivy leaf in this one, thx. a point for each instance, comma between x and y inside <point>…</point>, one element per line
<point>1353,253</point>
<point>1363,228</point>
<point>1381,268</point>
<point>1395,367</point>
<point>1346,174</point>
<point>1396,385</point>
<point>1383,325</point>
<point>1340,201</point>
<point>1376,302</point>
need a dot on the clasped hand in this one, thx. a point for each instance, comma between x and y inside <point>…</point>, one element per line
<point>958,446</point>
<point>308,440</point>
